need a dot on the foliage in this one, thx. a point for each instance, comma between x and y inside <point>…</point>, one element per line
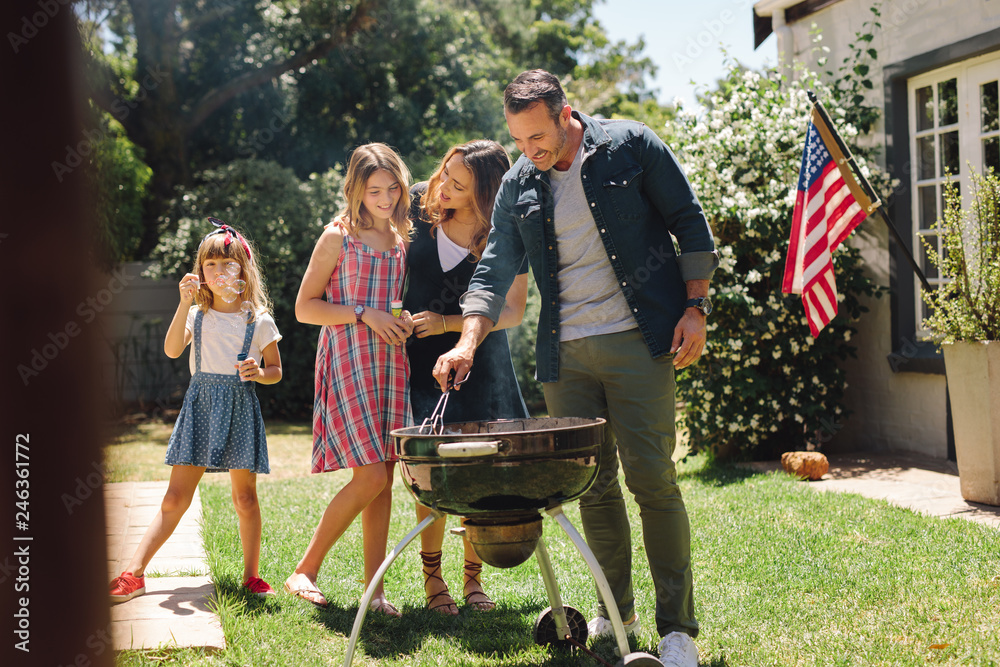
<point>522,351</point>
<point>164,70</point>
<point>967,307</point>
<point>118,179</point>
<point>283,216</point>
<point>197,85</point>
<point>765,385</point>
<point>440,90</point>
<point>852,82</point>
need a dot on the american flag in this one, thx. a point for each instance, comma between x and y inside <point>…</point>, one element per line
<point>829,205</point>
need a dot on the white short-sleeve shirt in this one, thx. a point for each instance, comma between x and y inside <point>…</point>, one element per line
<point>222,339</point>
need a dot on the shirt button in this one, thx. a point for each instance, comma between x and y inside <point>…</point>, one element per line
<point>614,256</point>
<point>553,331</point>
<point>602,231</point>
<point>550,247</point>
<point>623,283</point>
<point>592,204</point>
<point>624,182</point>
<point>635,310</point>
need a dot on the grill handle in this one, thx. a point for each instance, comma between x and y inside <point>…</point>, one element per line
<point>466,449</point>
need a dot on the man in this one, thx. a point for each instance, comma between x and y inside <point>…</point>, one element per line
<point>594,205</point>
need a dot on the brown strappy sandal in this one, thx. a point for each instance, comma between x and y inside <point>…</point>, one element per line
<point>432,562</point>
<point>483,603</point>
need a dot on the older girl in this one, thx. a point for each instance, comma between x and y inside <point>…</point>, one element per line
<point>361,366</point>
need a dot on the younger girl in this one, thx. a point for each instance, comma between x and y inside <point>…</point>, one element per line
<point>219,427</point>
<point>361,366</point>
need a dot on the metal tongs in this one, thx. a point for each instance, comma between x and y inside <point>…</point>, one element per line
<point>435,423</point>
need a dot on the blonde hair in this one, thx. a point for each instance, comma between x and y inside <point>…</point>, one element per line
<point>214,246</point>
<point>365,161</point>
<point>487,161</point>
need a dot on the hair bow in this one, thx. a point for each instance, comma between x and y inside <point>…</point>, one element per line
<point>223,228</point>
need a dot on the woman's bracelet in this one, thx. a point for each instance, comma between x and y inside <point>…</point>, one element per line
<point>444,324</point>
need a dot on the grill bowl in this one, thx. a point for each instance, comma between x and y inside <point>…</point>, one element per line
<point>487,468</point>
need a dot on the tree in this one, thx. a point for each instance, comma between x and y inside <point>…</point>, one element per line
<point>196,85</point>
<point>176,63</point>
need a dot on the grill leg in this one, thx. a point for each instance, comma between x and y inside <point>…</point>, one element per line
<point>595,569</point>
<point>552,589</point>
<point>370,591</point>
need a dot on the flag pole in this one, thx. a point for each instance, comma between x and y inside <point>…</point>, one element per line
<point>869,190</point>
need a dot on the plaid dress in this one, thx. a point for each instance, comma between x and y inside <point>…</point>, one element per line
<point>362,391</point>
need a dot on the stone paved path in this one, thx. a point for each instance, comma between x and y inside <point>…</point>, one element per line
<point>929,486</point>
<point>174,611</point>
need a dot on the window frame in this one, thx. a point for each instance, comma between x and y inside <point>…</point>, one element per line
<point>910,353</point>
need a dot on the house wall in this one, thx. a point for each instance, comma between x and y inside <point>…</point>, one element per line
<point>892,408</point>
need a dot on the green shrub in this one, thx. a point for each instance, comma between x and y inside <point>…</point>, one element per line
<point>522,351</point>
<point>118,179</point>
<point>283,216</point>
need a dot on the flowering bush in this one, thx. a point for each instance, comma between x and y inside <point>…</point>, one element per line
<point>764,385</point>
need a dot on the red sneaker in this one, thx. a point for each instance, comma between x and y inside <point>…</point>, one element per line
<point>126,587</point>
<point>258,587</point>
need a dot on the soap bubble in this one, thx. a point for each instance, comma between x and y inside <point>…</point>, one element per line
<point>239,286</point>
<point>233,268</point>
<point>246,307</point>
<point>228,295</point>
<point>220,281</point>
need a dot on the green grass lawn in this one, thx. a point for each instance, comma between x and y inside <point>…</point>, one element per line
<point>783,576</point>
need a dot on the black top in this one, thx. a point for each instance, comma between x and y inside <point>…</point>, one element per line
<point>492,391</point>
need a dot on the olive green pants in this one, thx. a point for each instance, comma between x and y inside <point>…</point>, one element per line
<point>613,376</point>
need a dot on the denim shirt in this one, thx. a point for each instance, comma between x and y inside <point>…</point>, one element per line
<point>641,201</point>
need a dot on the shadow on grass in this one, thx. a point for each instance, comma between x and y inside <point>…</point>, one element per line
<point>232,591</point>
<point>606,648</point>
<point>717,473</point>
<point>500,632</point>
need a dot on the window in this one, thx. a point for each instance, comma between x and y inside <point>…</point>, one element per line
<point>954,122</point>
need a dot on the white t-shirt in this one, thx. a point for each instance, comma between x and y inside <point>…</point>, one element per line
<point>450,254</point>
<point>222,339</point>
<point>590,301</point>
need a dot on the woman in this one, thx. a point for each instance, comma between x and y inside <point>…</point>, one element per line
<point>451,214</point>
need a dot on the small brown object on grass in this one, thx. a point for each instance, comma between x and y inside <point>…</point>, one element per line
<point>805,465</point>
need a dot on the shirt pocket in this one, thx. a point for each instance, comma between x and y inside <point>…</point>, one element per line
<point>528,214</point>
<point>624,189</point>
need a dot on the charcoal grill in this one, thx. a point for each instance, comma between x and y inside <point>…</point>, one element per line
<point>502,476</point>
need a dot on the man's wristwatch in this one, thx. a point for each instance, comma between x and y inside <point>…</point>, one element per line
<point>358,312</point>
<point>702,303</point>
